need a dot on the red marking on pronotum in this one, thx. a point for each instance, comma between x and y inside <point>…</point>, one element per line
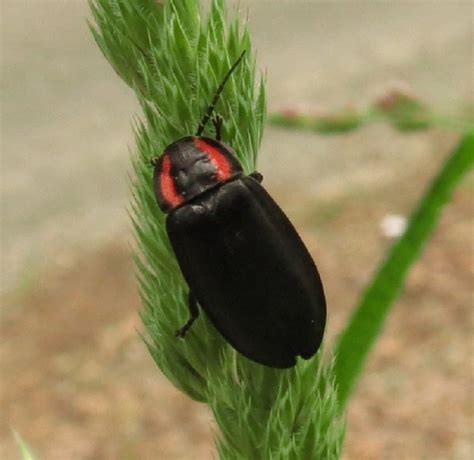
<point>167,185</point>
<point>221,163</point>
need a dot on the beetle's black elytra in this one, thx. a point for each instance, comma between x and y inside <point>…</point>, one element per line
<point>243,260</point>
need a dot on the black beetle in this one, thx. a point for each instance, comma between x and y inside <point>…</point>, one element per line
<point>241,257</point>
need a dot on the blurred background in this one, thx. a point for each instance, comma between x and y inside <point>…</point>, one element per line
<point>76,381</point>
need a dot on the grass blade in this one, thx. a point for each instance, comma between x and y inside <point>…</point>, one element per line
<point>362,330</point>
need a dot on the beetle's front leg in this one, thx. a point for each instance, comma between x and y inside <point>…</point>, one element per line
<point>217,121</point>
<point>194,311</point>
<point>257,176</point>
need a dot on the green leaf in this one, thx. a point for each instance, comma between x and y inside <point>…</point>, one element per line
<point>25,451</point>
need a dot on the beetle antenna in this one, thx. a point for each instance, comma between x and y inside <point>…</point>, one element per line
<point>212,105</point>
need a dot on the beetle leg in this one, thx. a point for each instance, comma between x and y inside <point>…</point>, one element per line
<point>257,176</point>
<point>194,311</point>
<point>217,121</point>
<point>153,161</point>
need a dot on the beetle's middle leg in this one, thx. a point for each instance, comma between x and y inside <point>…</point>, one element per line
<point>194,312</point>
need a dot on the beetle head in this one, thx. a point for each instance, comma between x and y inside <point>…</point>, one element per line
<point>191,166</point>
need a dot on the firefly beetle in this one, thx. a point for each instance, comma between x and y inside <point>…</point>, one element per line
<point>241,257</point>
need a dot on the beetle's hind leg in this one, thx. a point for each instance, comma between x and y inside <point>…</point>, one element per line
<point>194,312</point>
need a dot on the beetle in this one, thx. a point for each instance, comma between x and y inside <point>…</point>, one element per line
<point>243,260</point>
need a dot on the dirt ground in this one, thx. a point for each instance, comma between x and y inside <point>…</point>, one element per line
<point>77,382</point>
